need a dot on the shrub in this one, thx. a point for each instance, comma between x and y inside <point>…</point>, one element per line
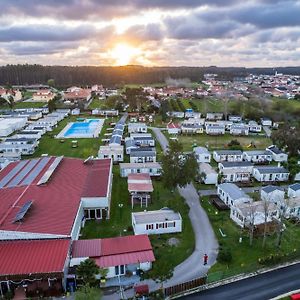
<point>225,255</point>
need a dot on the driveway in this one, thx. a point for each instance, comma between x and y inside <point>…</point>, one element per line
<point>205,240</point>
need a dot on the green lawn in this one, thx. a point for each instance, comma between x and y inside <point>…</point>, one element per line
<point>97,103</point>
<point>220,142</point>
<point>245,257</point>
<point>52,146</point>
<point>167,257</point>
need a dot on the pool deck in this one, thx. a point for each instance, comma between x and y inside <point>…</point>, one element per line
<point>93,134</point>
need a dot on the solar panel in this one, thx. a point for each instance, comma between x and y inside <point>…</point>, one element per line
<point>50,170</point>
<point>22,212</point>
<point>36,171</point>
<point>12,173</point>
<point>17,179</point>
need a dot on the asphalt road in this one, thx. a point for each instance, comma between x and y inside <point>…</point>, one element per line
<point>260,287</point>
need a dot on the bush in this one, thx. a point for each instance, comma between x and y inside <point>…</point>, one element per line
<point>225,255</point>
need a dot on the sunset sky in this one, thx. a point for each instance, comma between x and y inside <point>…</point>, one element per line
<point>150,32</point>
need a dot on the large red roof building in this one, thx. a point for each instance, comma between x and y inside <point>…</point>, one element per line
<point>52,195</point>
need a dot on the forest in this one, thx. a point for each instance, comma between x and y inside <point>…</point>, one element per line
<point>116,76</point>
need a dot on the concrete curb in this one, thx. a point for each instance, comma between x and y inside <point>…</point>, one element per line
<point>286,295</point>
<point>234,279</point>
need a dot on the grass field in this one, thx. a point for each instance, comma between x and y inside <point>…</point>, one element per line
<point>97,103</point>
<point>167,257</point>
<point>245,257</point>
<point>86,147</point>
<point>220,142</point>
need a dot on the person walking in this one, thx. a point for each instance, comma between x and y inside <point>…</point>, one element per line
<point>205,259</point>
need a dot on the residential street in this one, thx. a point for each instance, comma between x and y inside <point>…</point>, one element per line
<point>262,287</point>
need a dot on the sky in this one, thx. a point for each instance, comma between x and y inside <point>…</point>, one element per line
<point>247,33</point>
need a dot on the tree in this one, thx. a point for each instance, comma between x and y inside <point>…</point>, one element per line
<point>87,292</point>
<point>266,211</point>
<point>87,271</point>
<point>51,82</point>
<point>11,102</point>
<point>178,168</point>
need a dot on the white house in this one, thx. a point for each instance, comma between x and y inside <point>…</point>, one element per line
<point>235,171</point>
<point>294,190</point>
<point>254,127</point>
<point>160,221</point>
<point>9,125</point>
<point>277,154</point>
<point>235,118</point>
<point>239,129</point>
<point>31,134</point>
<point>192,114</point>
<point>210,175</point>
<point>228,155</point>
<point>202,155</point>
<point>176,114</point>
<point>257,156</point>
<point>75,112</point>
<point>214,129</point>
<point>272,193</point>
<point>292,209</point>
<point>137,127</point>
<point>231,194</point>
<point>270,173</point>
<point>256,213</point>
<point>173,128</point>
<point>115,152</point>
<point>143,155</point>
<point>214,116</point>
<point>153,169</point>
<point>266,122</point>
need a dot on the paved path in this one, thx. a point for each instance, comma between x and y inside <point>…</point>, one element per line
<point>205,239</point>
<point>245,189</point>
<point>262,287</point>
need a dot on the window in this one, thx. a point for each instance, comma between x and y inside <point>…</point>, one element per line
<point>120,270</point>
<point>171,224</point>
<point>149,226</point>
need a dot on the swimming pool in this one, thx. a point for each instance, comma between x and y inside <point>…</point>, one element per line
<point>89,128</point>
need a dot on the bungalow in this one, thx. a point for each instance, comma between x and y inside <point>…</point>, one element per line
<point>143,155</point>
<point>214,116</point>
<point>257,156</point>
<point>272,193</point>
<point>153,169</point>
<point>202,155</point>
<point>231,194</point>
<point>214,129</point>
<point>119,255</point>
<point>160,221</point>
<point>140,187</point>
<point>228,155</point>
<point>277,154</point>
<point>254,126</point>
<point>208,174</point>
<point>239,129</point>
<point>187,128</point>
<point>192,114</point>
<point>294,190</point>
<point>43,95</point>
<point>173,128</point>
<point>176,114</point>
<point>292,209</point>
<point>137,127</point>
<point>115,152</point>
<point>266,121</point>
<point>235,171</point>
<point>270,174</point>
<point>235,118</point>
<point>253,213</point>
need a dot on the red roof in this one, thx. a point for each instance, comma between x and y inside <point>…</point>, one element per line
<point>173,125</point>
<point>55,204</point>
<point>33,256</point>
<point>115,251</point>
<point>139,183</point>
<point>81,94</point>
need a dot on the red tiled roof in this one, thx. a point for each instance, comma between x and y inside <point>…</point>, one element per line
<point>83,93</point>
<point>35,257</point>
<point>55,204</point>
<point>115,251</point>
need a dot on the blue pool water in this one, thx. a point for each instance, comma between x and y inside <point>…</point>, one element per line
<point>88,127</point>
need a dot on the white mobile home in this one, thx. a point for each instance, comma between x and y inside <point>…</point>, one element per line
<point>228,155</point>
<point>137,127</point>
<point>202,154</point>
<point>272,193</point>
<point>277,154</point>
<point>294,190</point>
<point>153,169</point>
<point>235,171</point>
<point>156,222</point>
<point>115,152</point>
<point>270,174</point>
<point>239,129</point>
<point>209,174</point>
<point>257,156</point>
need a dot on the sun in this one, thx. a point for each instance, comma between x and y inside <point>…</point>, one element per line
<point>123,54</point>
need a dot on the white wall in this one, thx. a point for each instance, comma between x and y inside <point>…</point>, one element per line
<point>141,228</point>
